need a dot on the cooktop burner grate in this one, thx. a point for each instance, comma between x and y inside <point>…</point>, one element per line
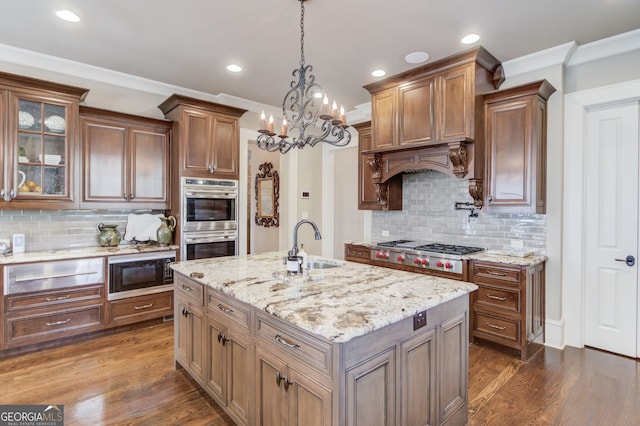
<point>394,243</point>
<point>448,249</point>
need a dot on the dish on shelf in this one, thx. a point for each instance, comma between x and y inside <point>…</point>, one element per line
<point>25,120</point>
<point>52,159</point>
<point>55,123</point>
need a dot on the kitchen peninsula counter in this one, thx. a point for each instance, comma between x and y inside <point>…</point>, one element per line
<point>337,333</point>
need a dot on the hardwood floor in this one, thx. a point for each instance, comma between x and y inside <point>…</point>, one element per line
<point>129,379</point>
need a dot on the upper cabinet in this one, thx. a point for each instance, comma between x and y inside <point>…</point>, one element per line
<point>516,148</point>
<point>125,161</point>
<point>435,103</point>
<point>38,143</point>
<point>207,137</point>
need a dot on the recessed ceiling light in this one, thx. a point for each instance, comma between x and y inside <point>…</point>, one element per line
<point>378,73</point>
<point>234,67</point>
<point>470,38</point>
<point>416,57</point>
<point>67,15</point>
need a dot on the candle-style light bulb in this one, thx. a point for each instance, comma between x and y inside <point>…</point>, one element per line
<point>270,124</point>
<point>263,121</point>
<point>283,127</point>
<point>342,117</point>
<point>334,110</point>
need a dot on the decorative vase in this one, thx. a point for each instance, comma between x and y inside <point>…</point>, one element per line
<point>165,231</point>
<point>108,235</point>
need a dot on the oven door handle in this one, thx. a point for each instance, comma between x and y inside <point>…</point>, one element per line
<point>210,194</point>
<point>194,240</point>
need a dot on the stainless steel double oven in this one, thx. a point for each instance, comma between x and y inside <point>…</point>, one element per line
<point>209,218</point>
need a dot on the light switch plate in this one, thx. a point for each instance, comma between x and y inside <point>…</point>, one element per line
<point>18,243</point>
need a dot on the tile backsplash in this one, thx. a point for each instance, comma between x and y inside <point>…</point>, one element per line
<point>428,214</point>
<point>57,229</point>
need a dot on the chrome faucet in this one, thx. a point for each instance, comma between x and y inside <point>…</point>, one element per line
<point>294,250</point>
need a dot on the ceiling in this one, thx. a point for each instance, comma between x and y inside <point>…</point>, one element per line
<point>188,43</point>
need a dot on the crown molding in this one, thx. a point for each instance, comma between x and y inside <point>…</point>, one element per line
<point>542,59</point>
<point>611,46</point>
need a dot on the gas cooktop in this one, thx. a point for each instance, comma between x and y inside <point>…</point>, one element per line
<point>456,250</point>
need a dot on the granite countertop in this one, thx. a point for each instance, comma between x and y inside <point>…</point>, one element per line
<point>82,252</point>
<point>337,303</point>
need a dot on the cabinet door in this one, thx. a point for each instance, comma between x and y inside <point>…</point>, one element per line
<point>383,118</point>
<point>181,333</point>
<point>309,402</point>
<point>196,141</point>
<point>149,177</point>
<point>196,336</point>
<point>371,391</point>
<point>511,154</point>
<point>418,367</point>
<point>42,144</point>
<point>453,349</point>
<point>271,408</point>
<point>224,148</point>
<point>104,148</point>
<point>416,112</point>
<point>456,107</point>
<point>216,342</point>
<point>238,368</point>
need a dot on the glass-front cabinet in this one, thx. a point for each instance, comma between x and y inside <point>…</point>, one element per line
<point>40,140</point>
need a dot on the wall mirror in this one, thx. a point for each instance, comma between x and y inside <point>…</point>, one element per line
<point>267,188</point>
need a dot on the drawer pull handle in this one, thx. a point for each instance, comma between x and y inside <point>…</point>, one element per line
<point>495,326</point>
<point>502,299</point>
<point>53,299</point>
<point>224,308</point>
<point>497,274</point>
<point>63,275</point>
<point>51,324</point>
<point>286,342</point>
<point>196,275</point>
<point>137,308</point>
<point>186,288</point>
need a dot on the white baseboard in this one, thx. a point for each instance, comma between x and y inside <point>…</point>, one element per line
<point>554,334</point>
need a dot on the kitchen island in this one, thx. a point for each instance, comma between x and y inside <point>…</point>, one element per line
<point>345,345</point>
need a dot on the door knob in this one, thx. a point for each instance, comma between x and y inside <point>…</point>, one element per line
<point>629,260</point>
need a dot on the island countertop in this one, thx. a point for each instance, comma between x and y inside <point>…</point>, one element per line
<point>337,303</point>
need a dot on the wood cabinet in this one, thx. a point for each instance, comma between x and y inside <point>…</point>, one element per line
<point>516,153</point>
<point>438,108</point>
<point>368,192</point>
<point>357,253</point>
<point>38,143</point>
<point>189,344</point>
<point>51,300</point>
<point>263,370</point>
<point>140,308</point>
<point>430,117</point>
<point>207,137</point>
<point>125,161</point>
<point>229,355</point>
<point>508,307</point>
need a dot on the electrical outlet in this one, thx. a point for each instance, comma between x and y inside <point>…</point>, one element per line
<point>419,320</point>
<point>385,233</point>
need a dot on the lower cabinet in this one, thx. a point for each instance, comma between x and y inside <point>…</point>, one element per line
<point>265,371</point>
<point>140,308</point>
<point>508,307</point>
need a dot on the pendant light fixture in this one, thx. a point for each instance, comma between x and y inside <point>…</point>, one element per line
<point>303,105</point>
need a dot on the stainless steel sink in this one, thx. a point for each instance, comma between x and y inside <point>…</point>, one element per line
<point>322,264</point>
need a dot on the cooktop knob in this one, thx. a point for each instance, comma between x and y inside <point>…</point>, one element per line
<point>416,260</point>
<point>439,264</point>
<point>448,265</point>
<point>425,261</point>
<point>400,258</point>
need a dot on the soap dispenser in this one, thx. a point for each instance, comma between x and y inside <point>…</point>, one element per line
<point>303,255</point>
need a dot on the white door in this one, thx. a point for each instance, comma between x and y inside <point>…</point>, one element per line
<point>611,234</point>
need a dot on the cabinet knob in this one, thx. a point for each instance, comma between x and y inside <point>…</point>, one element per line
<point>12,193</point>
<point>211,168</point>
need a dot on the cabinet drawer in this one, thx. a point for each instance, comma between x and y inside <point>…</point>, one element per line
<point>190,289</point>
<point>498,297</point>
<point>289,340</point>
<point>50,325</point>
<point>494,273</point>
<point>141,308</point>
<point>219,304</point>
<point>489,325</point>
<point>52,298</point>
<point>357,252</point>
<point>54,275</point>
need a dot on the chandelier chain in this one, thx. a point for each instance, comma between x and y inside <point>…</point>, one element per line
<point>302,33</point>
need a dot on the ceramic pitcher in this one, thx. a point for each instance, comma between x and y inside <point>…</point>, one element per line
<point>108,235</point>
<point>165,231</point>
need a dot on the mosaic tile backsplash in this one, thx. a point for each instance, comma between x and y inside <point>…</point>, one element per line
<point>428,214</point>
<point>57,229</point>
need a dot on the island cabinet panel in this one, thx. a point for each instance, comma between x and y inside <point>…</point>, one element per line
<point>453,395</point>
<point>418,366</point>
<point>229,356</point>
<point>189,342</point>
<point>371,390</point>
<point>125,160</point>
<point>508,307</point>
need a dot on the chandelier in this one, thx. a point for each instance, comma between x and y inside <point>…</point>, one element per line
<point>303,105</point>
